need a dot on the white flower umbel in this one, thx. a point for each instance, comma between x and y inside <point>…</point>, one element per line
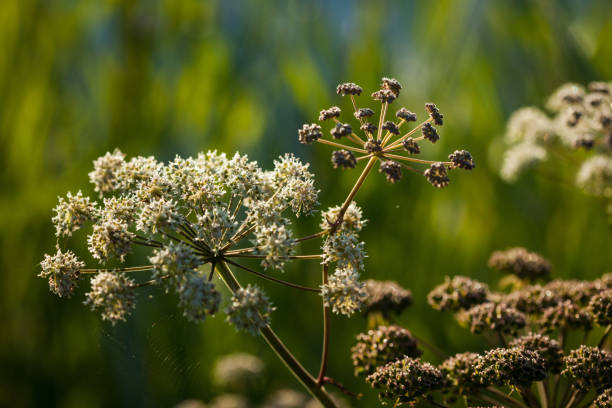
<point>72,213</point>
<point>249,310</point>
<point>110,239</point>
<point>345,249</point>
<point>104,176</point>
<point>352,220</point>
<point>113,294</point>
<point>62,270</point>
<point>344,292</point>
<point>521,157</point>
<point>595,176</point>
<point>197,297</point>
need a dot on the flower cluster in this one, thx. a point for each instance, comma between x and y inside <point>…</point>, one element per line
<point>582,119</point>
<point>383,141</point>
<point>386,297</point>
<point>531,323</point>
<point>238,371</point>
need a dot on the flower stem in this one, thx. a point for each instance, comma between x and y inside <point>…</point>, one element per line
<point>280,349</point>
<point>605,336</point>
<point>272,279</point>
<point>355,149</point>
<point>326,321</point>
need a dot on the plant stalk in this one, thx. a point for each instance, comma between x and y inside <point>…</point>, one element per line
<point>307,380</point>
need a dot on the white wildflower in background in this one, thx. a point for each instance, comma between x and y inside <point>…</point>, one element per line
<point>529,125</point>
<point>344,292</point>
<point>519,158</point>
<point>595,176</point>
<point>238,371</point>
<point>249,309</point>
<point>62,270</point>
<point>113,294</point>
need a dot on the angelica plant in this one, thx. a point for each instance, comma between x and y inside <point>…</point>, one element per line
<point>581,121</point>
<point>201,216</point>
<point>539,331</point>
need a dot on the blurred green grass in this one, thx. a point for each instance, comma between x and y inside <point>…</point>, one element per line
<point>176,77</point>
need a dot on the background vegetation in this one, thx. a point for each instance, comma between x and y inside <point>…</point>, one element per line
<point>78,78</point>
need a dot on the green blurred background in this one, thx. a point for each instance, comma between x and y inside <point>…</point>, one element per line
<point>78,78</point>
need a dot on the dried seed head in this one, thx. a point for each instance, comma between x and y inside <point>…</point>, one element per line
<point>348,88</point>
<point>344,159</point>
<point>565,315</point>
<point>579,292</point>
<point>238,371</point>
<point>459,371</point>
<point>373,145</point>
<point>494,316</point>
<point>391,169</point>
<point>430,133</point>
<point>391,127</point>
<point>344,292</point>
<point>600,308</point>
<point>550,349</point>
<point>391,84</point>
<point>457,293</point>
<point>368,127</point>
<point>363,113</point>
<point>514,366</point>
<point>113,293</point>
<point>411,146</point>
<point>62,270</point>
<point>437,175</point>
<point>462,159</point>
<point>333,112</point>
<point>249,310</point>
<point>589,367</point>
<point>309,133</point>
<point>384,95</point>
<point>407,379</point>
<point>340,130</point>
<point>381,346</point>
<point>532,299</point>
<point>434,114</point>
<point>406,115</point>
<point>520,262</point>
<point>386,297</point>
<point>605,399</point>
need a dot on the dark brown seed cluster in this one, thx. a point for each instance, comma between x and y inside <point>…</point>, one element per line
<point>343,159</point>
<point>565,315</point>
<point>437,175</point>
<point>372,146</point>
<point>589,367</point>
<point>309,133</point>
<point>522,263</point>
<point>369,128</point>
<point>386,297</point>
<point>348,88</point>
<point>434,114</point>
<point>532,299</point>
<point>392,85</point>
<point>363,113</point>
<point>341,130</point>
<point>384,95</point>
<point>411,146</point>
<point>391,127</point>
<point>600,308</point>
<point>460,374</point>
<point>430,133</point>
<point>381,346</point>
<point>391,169</point>
<point>494,316</point>
<point>458,293</point>
<point>406,115</point>
<point>333,112</point>
<point>605,399</point>
<point>407,380</point>
<point>548,348</point>
<point>514,366</point>
<point>462,159</point>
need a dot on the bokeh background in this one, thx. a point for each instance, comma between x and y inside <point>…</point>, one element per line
<point>161,77</point>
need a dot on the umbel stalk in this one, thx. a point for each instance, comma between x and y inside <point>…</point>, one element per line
<point>275,343</point>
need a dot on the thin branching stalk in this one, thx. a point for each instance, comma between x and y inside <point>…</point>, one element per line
<point>326,322</point>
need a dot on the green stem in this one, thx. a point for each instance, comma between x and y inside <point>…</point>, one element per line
<point>307,380</point>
